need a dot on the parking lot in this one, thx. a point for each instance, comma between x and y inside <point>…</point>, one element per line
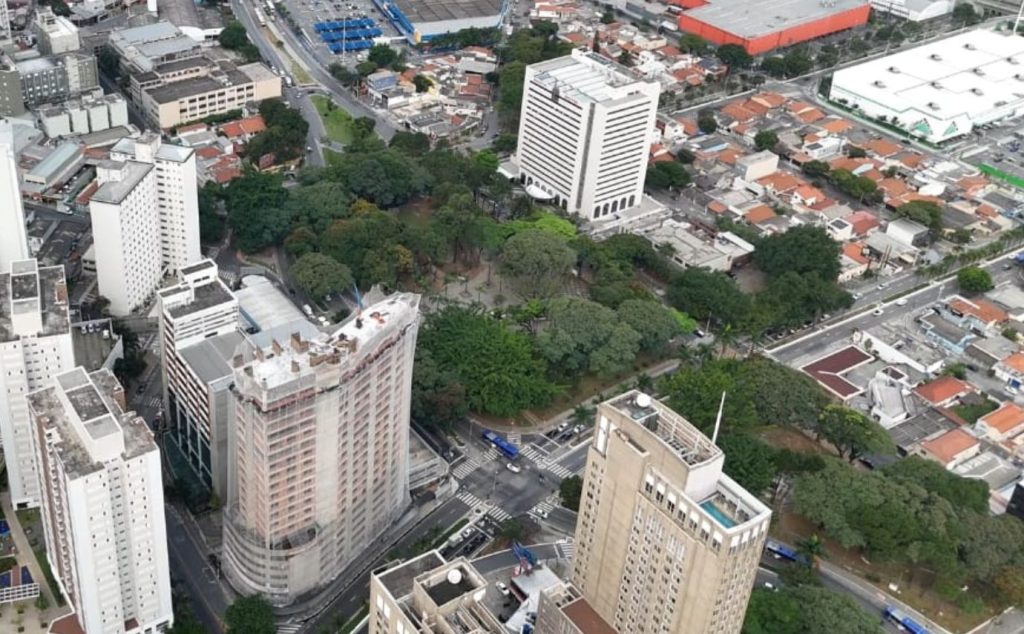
<point>999,147</point>
<point>306,13</point>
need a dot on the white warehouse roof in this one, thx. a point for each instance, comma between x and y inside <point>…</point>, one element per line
<point>943,88</point>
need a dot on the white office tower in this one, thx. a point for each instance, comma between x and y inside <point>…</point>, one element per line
<point>5,21</point>
<point>198,334</point>
<point>178,195</point>
<point>584,134</point>
<point>103,516</point>
<point>319,464</point>
<point>126,233</point>
<point>35,346</point>
<point>13,238</point>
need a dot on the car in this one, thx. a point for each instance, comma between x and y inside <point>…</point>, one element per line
<point>502,588</point>
<point>140,389</point>
<point>901,301</point>
<point>877,312</point>
<point>467,532</point>
<point>768,585</point>
<point>541,513</point>
<point>1007,266</point>
<point>700,334</point>
<point>514,468</point>
<point>578,429</point>
<point>882,286</point>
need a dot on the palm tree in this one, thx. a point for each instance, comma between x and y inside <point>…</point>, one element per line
<point>812,549</point>
<point>726,337</point>
<point>582,415</point>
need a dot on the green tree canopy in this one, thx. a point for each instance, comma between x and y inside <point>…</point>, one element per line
<point>655,324</point>
<point>382,55</point>
<point>256,210</point>
<point>766,140</point>
<point>925,212</point>
<point>386,178</point>
<point>250,615</point>
<point>569,491</point>
<point>708,295</point>
<point>803,249</point>
<point>966,493</point>
<point>806,609</point>
<point>536,262</point>
<point>706,120</point>
<point>318,205</point>
<point>852,433</point>
<point>493,363</point>
<point>734,55</point>
<point>582,336</point>
<point>667,174</point>
<point>319,275</point>
<point>693,43</point>
<point>974,279</point>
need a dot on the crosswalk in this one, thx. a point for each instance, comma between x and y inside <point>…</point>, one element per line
<point>559,470</point>
<point>464,468</point>
<point>289,628</point>
<point>566,550</point>
<point>541,507</point>
<point>535,454</point>
<point>541,459</point>
<point>499,514</point>
<point>514,437</point>
<point>469,499</point>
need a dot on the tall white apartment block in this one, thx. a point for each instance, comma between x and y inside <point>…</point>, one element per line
<point>199,332</point>
<point>5,21</point>
<point>13,238</point>
<point>35,346</point>
<point>103,515</point>
<point>319,464</point>
<point>177,195</point>
<point>584,134</point>
<point>666,543</point>
<point>126,234</point>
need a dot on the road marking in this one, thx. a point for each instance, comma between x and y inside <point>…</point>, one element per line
<point>464,468</point>
<point>469,499</point>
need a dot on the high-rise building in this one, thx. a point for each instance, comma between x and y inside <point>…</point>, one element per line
<point>177,195</point>
<point>318,463</point>
<point>199,334</point>
<point>563,610</point>
<point>13,239</point>
<point>665,542</point>
<point>35,346</point>
<point>126,233</point>
<point>584,134</point>
<point>56,33</point>
<point>5,21</point>
<point>103,516</point>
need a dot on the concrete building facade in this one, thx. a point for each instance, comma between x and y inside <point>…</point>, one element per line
<point>57,35</point>
<point>41,80</point>
<point>666,542</point>
<point>584,134</point>
<point>126,232</point>
<point>13,240</point>
<point>177,195</point>
<point>319,449</point>
<point>35,346</point>
<point>198,335</point>
<point>103,511</point>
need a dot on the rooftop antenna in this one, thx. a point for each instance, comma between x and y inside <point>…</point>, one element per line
<point>718,420</point>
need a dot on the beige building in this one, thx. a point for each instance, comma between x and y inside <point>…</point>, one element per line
<point>208,90</point>
<point>665,542</point>
<point>563,610</point>
<point>318,454</point>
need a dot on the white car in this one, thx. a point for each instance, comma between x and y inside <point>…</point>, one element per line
<point>541,513</point>
<point>901,302</point>
<point>502,588</point>
<point>514,468</point>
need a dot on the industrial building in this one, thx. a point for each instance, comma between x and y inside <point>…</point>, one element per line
<point>318,462</point>
<point>40,80</point>
<point>940,90</point>
<point>914,10</point>
<point>655,498</point>
<point>421,20</point>
<point>760,28</point>
<point>83,116</point>
<point>594,161</point>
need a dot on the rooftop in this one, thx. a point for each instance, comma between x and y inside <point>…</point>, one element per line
<point>942,389</point>
<point>210,359</point>
<point>689,443</point>
<point>33,301</point>
<point>753,18</point>
<point>204,296</point>
<point>927,424</point>
<point>1007,417</point>
<point>584,77</point>
<point>441,10</point>
<point>946,447</point>
<point>586,618</point>
<point>115,191</point>
<point>997,472</point>
<point>172,92</point>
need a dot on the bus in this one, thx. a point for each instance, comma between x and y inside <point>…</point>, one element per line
<point>903,620</point>
<point>259,17</point>
<point>506,448</point>
<point>781,551</point>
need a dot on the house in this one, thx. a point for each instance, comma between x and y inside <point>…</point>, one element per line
<point>945,333</point>
<point>758,165</point>
<point>1011,370</point>
<point>891,403</point>
<point>943,391</point>
<point>820,149</point>
<point>853,262</point>
<point>806,195</point>
<point>779,183</point>
<point>1004,423</point>
<point>908,232</point>
<point>950,448</point>
<point>978,313</point>
<point>863,222</point>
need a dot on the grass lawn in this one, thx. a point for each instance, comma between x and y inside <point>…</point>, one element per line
<point>971,413</point>
<point>336,120</point>
<point>331,157</point>
<point>301,76</point>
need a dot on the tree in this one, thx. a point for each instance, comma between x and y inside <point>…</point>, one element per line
<point>748,460</point>
<point>667,175</point>
<point>494,364</point>
<point>382,55</point>
<point>510,94</point>
<point>655,324</point>
<point>536,263</point>
<point>858,46</point>
<point>812,549</point>
<point>487,160</point>
<point>854,151</point>
<point>410,143</point>
<point>233,35</point>
<point>828,56</point>
<point>708,295</point>
<point>512,530</point>
<point>256,210</point>
<point>319,275</point>
<point>803,249</point>
<point>964,493</point>
<point>626,58</point>
<point>569,492</point>
<point>765,140</point>
<point>974,279</point>
<point>965,14</point>
<point>815,168</point>
<point>685,156</point>
<point>385,178</point>
<point>693,43</point>
<point>774,65</point>
<point>211,222</point>
<point>460,223</point>
<point>504,143</point>
<point>422,83</point>
<point>366,68</point>
<point>797,63</point>
<point>316,206</point>
<point>342,73</point>
<point>582,336</point>
<point>607,17</point>
<point>734,56</point>
<point>250,615</point>
<point>706,121</point>
<point>925,212</point>
<point>852,433</point>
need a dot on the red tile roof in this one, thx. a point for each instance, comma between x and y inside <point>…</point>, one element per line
<point>855,251</point>
<point>827,370</point>
<point>882,147</point>
<point>982,309</point>
<point>949,445</point>
<point>942,389</point>
<point>862,221</point>
<point>1007,417</point>
<point>758,214</point>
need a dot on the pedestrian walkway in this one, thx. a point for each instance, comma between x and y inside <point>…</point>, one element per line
<point>535,454</point>
<point>469,499</point>
<point>289,628</point>
<point>567,549</point>
<point>541,509</point>
<point>462,470</point>
<point>499,514</point>
<point>559,470</point>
